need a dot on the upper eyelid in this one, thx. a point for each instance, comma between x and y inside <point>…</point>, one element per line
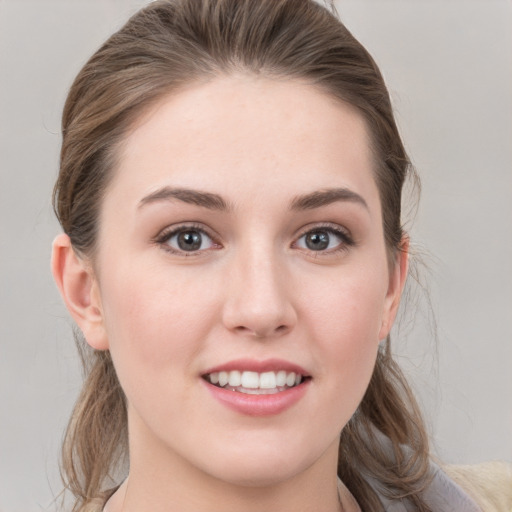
<point>336,228</point>
<point>169,231</point>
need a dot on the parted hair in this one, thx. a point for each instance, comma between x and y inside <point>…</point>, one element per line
<point>165,47</point>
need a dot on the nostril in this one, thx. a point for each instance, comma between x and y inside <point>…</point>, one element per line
<point>262,333</point>
<point>241,328</point>
<point>281,329</point>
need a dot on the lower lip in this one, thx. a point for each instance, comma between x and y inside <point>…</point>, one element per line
<point>258,405</point>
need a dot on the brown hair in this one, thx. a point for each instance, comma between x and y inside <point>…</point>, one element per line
<point>168,45</point>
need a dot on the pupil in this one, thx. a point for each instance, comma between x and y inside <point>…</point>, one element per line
<point>317,241</point>
<point>189,241</point>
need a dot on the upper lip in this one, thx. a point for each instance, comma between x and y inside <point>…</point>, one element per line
<point>252,365</point>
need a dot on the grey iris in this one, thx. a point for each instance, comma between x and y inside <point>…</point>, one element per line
<point>317,240</point>
<point>189,241</point>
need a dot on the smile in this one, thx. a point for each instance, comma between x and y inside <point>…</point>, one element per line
<point>257,388</point>
<point>255,383</point>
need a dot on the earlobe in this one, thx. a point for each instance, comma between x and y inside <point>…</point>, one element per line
<point>79,289</point>
<point>397,280</point>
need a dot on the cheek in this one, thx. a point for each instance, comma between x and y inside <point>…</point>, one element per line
<point>154,320</point>
<point>348,307</point>
<point>346,322</point>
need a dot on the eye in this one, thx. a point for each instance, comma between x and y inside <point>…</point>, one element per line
<point>186,239</point>
<point>324,239</point>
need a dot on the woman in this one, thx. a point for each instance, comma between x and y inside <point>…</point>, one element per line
<point>230,191</point>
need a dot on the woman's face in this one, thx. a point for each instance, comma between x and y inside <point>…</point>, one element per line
<point>241,240</point>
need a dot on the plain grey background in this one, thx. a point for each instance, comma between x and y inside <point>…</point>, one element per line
<point>449,69</point>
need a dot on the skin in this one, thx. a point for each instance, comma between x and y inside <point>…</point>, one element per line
<point>253,290</point>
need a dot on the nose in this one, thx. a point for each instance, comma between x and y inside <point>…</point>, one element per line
<point>258,300</point>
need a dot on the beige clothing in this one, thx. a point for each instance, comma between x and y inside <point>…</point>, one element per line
<point>489,484</point>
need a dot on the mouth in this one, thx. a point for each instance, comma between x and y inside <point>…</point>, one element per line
<point>257,388</point>
<point>256,383</point>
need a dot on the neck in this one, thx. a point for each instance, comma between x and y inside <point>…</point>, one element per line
<point>161,480</point>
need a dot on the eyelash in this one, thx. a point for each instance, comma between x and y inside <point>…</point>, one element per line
<point>164,236</point>
<point>167,234</point>
<point>346,240</point>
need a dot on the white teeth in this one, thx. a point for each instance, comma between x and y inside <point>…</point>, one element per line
<point>250,380</point>
<point>268,380</point>
<point>235,378</point>
<point>223,378</point>
<point>290,379</point>
<point>254,381</point>
<point>281,378</point>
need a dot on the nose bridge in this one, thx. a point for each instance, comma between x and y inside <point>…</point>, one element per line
<point>258,300</point>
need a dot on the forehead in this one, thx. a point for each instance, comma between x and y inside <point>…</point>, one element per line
<point>243,131</point>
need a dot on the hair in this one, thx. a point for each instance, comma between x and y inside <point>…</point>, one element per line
<point>164,47</point>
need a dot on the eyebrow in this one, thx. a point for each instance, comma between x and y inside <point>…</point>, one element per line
<point>186,195</point>
<point>325,197</point>
<point>211,201</point>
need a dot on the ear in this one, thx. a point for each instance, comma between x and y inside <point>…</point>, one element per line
<point>397,277</point>
<point>79,289</point>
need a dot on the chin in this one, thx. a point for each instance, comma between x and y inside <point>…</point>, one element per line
<point>258,476</point>
<point>266,468</point>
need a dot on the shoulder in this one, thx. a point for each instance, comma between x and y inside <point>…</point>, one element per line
<point>489,484</point>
